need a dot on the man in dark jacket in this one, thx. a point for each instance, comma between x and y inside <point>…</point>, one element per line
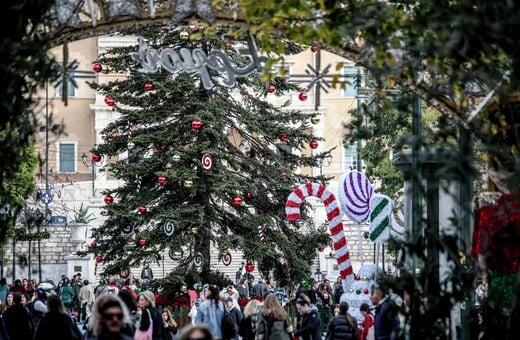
<point>386,320</point>
<point>18,321</point>
<point>343,326</point>
<point>232,319</point>
<point>309,322</point>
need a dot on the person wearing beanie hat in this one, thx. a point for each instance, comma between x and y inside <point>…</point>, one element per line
<point>150,316</point>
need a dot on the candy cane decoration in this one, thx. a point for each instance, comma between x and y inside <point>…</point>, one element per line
<point>292,211</point>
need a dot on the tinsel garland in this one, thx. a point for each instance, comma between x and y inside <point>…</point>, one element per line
<point>22,235</point>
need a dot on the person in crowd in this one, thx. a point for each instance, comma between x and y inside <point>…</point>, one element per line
<point>313,294</point>
<point>3,329</point>
<point>112,287</point>
<point>260,288</point>
<point>38,306</point>
<point>30,288</point>
<point>17,320</point>
<point>239,274</point>
<point>366,330</point>
<point>335,311</point>
<point>9,299</point>
<point>146,274</point>
<point>196,332</point>
<point>309,323</point>
<point>150,316</point>
<point>56,323</point>
<point>245,329</point>
<point>386,320</point>
<point>108,319</point>
<point>131,305</point>
<point>67,295</point>
<point>243,288</point>
<point>325,307</point>
<point>169,324</point>
<point>273,322</point>
<point>17,287</point>
<point>337,291</point>
<point>231,292</point>
<point>232,319</point>
<point>328,288</point>
<point>4,289</point>
<point>86,300</point>
<point>194,309</point>
<point>211,312</point>
<point>343,326</point>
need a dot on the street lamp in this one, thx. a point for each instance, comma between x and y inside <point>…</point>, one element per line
<point>92,164</point>
<point>317,274</point>
<point>6,212</point>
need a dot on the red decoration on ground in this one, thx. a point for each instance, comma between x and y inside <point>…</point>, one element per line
<point>162,180</point>
<point>109,101</point>
<point>142,209</point>
<point>250,267</point>
<point>99,259</point>
<point>142,242</point>
<point>196,124</point>
<point>148,87</point>
<point>271,89</point>
<point>302,96</point>
<point>109,199</point>
<point>237,200</point>
<point>313,144</point>
<point>97,67</point>
<point>283,138</point>
<point>96,158</point>
<point>314,48</point>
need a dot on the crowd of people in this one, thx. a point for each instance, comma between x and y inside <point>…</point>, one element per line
<point>114,309</point>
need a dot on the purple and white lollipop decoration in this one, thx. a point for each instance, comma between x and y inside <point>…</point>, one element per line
<point>354,193</point>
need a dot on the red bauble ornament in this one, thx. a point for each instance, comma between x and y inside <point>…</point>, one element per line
<point>271,89</point>
<point>142,242</point>
<point>302,96</point>
<point>365,291</point>
<point>109,101</point>
<point>250,267</point>
<point>196,124</point>
<point>283,138</point>
<point>249,195</point>
<point>99,259</point>
<point>109,199</point>
<point>148,87</point>
<point>97,67</point>
<point>96,158</point>
<point>284,174</point>
<point>93,244</point>
<point>237,200</point>
<point>314,48</point>
<point>321,249</point>
<point>161,180</point>
<point>313,144</point>
<point>142,209</point>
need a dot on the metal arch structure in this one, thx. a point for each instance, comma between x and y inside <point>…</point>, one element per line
<point>72,20</point>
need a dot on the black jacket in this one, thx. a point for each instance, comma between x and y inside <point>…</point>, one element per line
<point>309,326</point>
<point>340,329</point>
<point>18,323</point>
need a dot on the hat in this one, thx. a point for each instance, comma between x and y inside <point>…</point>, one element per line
<point>148,295</point>
<point>41,292</point>
<point>229,299</point>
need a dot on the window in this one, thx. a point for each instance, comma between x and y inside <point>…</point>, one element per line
<point>66,157</point>
<point>350,157</point>
<point>71,88</point>
<point>351,81</point>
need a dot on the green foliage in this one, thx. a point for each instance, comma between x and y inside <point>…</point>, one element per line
<point>241,132</point>
<point>83,215</point>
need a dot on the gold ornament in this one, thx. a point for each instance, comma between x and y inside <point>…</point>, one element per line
<point>188,184</point>
<point>315,120</point>
<point>176,158</point>
<point>294,167</point>
<point>194,231</point>
<point>184,288</point>
<point>184,35</point>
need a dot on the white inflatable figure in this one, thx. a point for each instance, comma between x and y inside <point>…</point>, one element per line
<point>359,291</point>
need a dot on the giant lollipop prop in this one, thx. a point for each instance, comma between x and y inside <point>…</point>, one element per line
<point>292,212</point>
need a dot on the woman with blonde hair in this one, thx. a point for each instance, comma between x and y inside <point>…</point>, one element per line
<point>169,324</point>
<point>273,322</point>
<point>108,319</point>
<point>245,329</point>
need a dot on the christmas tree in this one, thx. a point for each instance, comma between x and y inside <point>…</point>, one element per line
<point>203,168</point>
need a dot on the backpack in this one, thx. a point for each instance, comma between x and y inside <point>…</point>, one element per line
<point>35,314</point>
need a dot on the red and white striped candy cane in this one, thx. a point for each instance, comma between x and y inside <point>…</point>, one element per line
<point>292,212</point>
